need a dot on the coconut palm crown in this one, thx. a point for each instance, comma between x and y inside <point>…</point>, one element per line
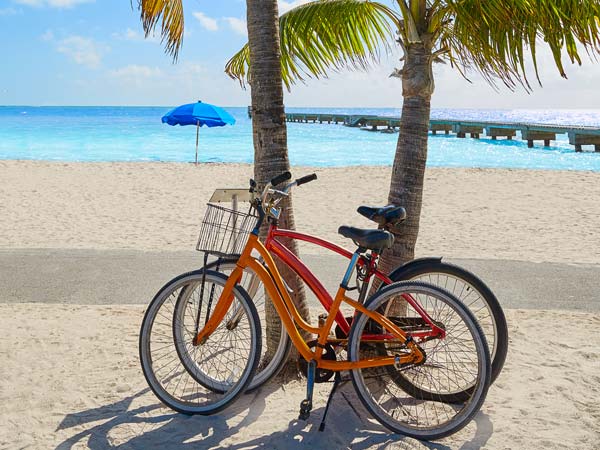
<point>493,37</point>
<point>497,38</point>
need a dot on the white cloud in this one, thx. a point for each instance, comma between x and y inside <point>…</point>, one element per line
<point>237,25</point>
<point>164,85</point>
<point>137,74</point>
<point>286,6</point>
<point>207,22</point>
<point>47,36</point>
<point>137,71</point>
<point>82,50</point>
<point>135,36</point>
<point>52,3</point>
<point>132,35</point>
<point>8,11</point>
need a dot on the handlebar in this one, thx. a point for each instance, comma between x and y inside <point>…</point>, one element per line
<point>306,179</point>
<point>281,178</point>
<point>283,192</point>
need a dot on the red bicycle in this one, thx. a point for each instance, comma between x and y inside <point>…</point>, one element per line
<point>464,285</point>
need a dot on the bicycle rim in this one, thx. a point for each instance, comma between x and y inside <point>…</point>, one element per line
<point>272,356</point>
<point>227,360</point>
<point>475,295</point>
<point>462,357</point>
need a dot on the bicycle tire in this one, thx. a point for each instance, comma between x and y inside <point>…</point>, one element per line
<point>195,398</point>
<point>472,292</point>
<point>269,364</point>
<point>458,321</point>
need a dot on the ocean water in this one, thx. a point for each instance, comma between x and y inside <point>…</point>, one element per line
<point>137,134</point>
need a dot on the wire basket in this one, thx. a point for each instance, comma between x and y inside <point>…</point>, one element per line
<point>225,231</point>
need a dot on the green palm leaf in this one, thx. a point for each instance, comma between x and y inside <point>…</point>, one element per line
<point>172,23</point>
<point>498,37</point>
<point>327,35</point>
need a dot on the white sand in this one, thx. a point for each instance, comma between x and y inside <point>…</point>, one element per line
<point>468,213</point>
<point>71,379</point>
<point>70,376</point>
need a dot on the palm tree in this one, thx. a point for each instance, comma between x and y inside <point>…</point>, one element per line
<point>493,37</point>
<point>268,116</point>
<point>270,137</point>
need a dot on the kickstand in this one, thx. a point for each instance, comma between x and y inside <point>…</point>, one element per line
<point>336,383</point>
<point>306,404</point>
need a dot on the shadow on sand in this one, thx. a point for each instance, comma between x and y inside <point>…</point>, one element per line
<point>124,425</point>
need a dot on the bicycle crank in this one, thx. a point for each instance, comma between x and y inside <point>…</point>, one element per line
<point>321,375</point>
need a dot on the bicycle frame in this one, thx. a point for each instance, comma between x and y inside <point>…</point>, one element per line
<point>292,261</point>
<point>289,315</point>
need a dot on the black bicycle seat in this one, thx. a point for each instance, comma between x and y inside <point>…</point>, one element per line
<point>385,215</point>
<point>377,240</point>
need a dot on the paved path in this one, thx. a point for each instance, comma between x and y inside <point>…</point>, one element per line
<point>129,276</point>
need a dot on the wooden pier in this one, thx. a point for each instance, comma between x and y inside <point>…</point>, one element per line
<point>530,132</point>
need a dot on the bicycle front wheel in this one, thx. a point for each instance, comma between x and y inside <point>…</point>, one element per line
<point>276,343</point>
<point>206,378</point>
<point>460,359</point>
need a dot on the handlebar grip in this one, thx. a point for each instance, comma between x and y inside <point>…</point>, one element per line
<point>306,179</point>
<point>281,178</point>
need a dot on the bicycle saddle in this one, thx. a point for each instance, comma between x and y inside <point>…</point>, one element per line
<point>377,240</point>
<point>385,215</point>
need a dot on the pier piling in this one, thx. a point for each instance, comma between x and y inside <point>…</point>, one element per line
<point>534,135</point>
<point>445,127</point>
<point>462,130</point>
<point>496,132</point>
<point>578,139</point>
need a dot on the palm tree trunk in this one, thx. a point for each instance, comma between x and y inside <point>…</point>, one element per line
<point>408,172</point>
<point>270,134</point>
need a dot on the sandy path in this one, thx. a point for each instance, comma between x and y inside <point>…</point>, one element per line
<point>468,213</point>
<point>71,379</point>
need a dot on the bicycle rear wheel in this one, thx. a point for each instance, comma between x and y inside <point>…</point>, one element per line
<point>458,360</point>
<point>473,293</point>
<point>226,361</point>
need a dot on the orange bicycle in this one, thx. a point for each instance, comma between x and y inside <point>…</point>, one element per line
<point>200,340</point>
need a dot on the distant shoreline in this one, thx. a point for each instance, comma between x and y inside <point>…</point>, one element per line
<point>299,166</point>
<point>398,107</point>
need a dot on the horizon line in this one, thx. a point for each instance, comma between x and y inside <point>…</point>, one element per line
<point>315,107</point>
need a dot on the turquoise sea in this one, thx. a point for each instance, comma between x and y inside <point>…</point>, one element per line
<point>137,134</point>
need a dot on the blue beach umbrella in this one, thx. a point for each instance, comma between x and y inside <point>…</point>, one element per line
<point>198,114</point>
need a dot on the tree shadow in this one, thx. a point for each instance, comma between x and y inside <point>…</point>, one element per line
<point>125,426</point>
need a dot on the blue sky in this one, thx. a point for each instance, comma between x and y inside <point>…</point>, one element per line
<point>86,52</point>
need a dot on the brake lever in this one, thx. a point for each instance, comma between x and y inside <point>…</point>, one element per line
<point>277,191</point>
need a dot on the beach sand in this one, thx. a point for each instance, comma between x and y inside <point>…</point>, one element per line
<point>71,379</point>
<point>71,376</point>
<point>467,213</point>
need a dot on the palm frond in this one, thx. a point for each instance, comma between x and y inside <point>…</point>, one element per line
<point>326,35</point>
<point>498,37</point>
<point>170,14</point>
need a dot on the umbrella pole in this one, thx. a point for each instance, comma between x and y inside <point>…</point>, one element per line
<point>197,131</point>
